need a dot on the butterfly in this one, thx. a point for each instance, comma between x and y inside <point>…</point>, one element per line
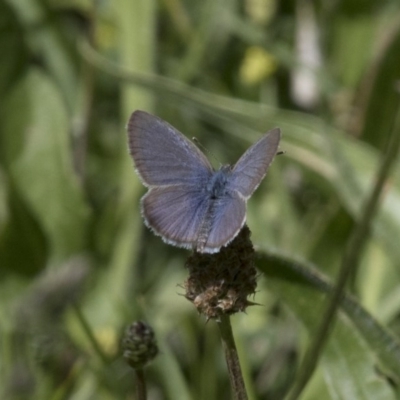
<point>188,203</point>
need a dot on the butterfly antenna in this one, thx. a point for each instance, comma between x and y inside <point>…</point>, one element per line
<point>198,144</point>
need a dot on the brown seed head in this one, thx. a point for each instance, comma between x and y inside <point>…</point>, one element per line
<point>220,283</point>
<point>139,344</point>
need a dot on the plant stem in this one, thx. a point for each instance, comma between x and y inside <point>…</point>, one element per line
<point>141,393</point>
<point>232,359</point>
<point>88,331</point>
<point>349,263</point>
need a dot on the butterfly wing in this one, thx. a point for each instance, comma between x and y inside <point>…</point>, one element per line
<point>228,217</point>
<point>176,213</point>
<point>162,155</point>
<point>251,168</point>
<point>229,212</point>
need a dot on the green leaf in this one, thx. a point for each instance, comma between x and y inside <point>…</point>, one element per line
<point>27,256</point>
<point>12,47</point>
<point>37,151</point>
<point>382,100</point>
<point>351,32</point>
<point>349,360</point>
<point>350,167</point>
<point>49,44</point>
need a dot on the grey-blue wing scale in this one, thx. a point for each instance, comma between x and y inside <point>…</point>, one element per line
<point>175,171</point>
<point>252,167</point>
<point>176,213</point>
<point>228,217</point>
<point>162,155</point>
<point>229,214</point>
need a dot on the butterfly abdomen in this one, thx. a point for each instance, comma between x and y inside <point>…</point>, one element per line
<point>216,190</point>
<point>205,228</point>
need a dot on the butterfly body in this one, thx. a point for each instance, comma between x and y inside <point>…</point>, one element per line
<point>217,185</point>
<point>188,203</point>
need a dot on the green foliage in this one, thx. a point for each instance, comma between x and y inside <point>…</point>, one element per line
<point>76,263</point>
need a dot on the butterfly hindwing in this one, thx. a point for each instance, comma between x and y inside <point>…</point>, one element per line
<point>176,213</point>
<point>228,217</point>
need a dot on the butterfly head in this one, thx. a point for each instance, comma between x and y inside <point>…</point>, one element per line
<point>226,168</point>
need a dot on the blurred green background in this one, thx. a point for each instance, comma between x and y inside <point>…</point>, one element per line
<point>77,264</point>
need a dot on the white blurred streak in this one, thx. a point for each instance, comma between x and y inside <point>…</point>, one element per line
<point>305,90</point>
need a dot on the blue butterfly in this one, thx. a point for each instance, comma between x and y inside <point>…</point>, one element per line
<point>188,203</point>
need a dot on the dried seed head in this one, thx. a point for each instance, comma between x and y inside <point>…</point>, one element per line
<point>139,344</point>
<point>220,283</point>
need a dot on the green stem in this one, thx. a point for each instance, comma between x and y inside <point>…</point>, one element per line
<point>349,263</point>
<point>88,331</point>
<point>199,44</point>
<point>232,359</point>
<point>141,393</point>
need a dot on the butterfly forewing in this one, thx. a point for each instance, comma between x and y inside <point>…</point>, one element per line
<point>251,168</point>
<point>162,155</point>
